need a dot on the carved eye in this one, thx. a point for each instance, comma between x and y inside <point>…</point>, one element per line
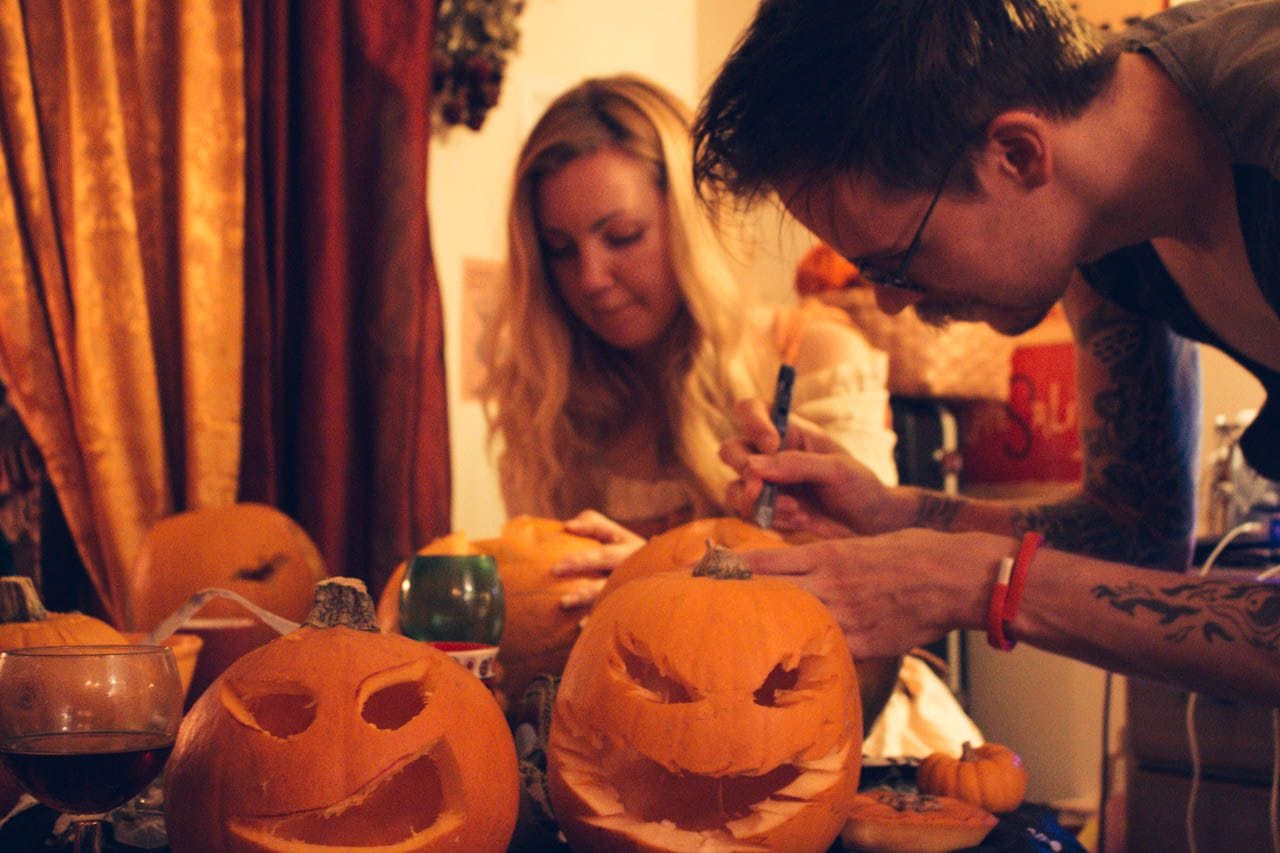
<point>783,686</point>
<point>392,698</point>
<point>646,675</point>
<point>279,709</point>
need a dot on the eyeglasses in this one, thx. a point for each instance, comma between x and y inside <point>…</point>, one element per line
<point>898,278</point>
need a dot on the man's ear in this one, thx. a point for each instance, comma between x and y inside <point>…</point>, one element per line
<point>1019,143</point>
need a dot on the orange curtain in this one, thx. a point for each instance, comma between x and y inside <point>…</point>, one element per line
<point>121,257</point>
<point>346,425</point>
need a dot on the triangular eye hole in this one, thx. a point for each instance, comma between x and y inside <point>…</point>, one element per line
<point>786,686</point>
<point>776,684</point>
<point>394,697</point>
<point>644,673</point>
<point>281,709</point>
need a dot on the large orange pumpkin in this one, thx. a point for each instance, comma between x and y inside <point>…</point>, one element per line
<point>683,546</point>
<point>537,632</point>
<point>252,549</point>
<point>338,736</point>
<point>706,709</point>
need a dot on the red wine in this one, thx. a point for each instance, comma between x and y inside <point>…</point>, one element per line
<point>86,772</point>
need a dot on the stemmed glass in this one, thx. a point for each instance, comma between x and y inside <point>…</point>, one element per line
<point>85,728</point>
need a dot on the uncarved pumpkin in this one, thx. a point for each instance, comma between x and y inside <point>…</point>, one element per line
<point>683,546</point>
<point>705,709</point>
<point>25,623</point>
<point>537,632</point>
<point>338,736</point>
<point>991,776</point>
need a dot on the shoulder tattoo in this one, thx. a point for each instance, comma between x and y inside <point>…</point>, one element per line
<point>1138,505</point>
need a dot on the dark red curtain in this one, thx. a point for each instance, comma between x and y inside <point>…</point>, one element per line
<point>345,414</point>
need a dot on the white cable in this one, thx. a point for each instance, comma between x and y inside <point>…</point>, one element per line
<point>1193,742</point>
<point>1275,780</point>
<point>1235,532</point>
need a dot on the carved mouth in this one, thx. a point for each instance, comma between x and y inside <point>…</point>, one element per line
<point>626,793</point>
<point>399,810</point>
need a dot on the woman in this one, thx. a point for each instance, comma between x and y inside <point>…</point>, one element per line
<point>623,342</point>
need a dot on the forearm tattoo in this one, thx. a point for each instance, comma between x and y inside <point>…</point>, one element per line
<point>1214,611</point>
<point>937,511</point>
<point>1138,502</point>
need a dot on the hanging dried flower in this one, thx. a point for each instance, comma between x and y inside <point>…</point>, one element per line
<point>473,40</point>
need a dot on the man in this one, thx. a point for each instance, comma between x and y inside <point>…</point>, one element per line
<point>982,161</point>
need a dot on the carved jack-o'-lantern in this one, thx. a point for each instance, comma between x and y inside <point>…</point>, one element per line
<point>708,708</point>
<point>337,736</point>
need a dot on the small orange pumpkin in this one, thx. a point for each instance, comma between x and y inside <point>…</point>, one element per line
<point>537,632</point>
<point>991,776</point>
<point>823,269</point>
<point>338,736</point>
<point>24,623</point>
<point>706,709</point>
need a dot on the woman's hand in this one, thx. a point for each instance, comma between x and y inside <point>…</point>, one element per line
<point>893,592</point>
<point>823,490</point>
<point>594,565</point>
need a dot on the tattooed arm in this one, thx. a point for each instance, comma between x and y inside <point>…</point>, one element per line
<point>1139,408</point>
<point>1137,387</point>
<point>903,589</point>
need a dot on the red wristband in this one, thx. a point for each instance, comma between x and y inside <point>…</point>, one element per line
<point>1006,596</point>
<point>995,607</point>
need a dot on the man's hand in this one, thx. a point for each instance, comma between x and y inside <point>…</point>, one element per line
<point>823,491</point>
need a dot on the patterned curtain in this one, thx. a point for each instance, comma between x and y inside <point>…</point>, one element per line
<point>121,259</point>
<point>346,425</point>
<point>215,271</point>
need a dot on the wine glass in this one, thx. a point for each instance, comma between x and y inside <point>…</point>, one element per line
<point>85,728</point>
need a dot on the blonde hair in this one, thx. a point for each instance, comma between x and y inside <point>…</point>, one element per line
<point>555,394</point>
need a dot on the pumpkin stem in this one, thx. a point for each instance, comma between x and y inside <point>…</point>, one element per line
<point>19,601</point>
<point>343,602</point>
<point>967,752</point>
<point>720,563</point>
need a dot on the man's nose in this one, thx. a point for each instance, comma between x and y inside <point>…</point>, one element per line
<point>893,300</point>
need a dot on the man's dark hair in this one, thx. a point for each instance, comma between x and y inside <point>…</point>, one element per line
<point>818,88</point>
